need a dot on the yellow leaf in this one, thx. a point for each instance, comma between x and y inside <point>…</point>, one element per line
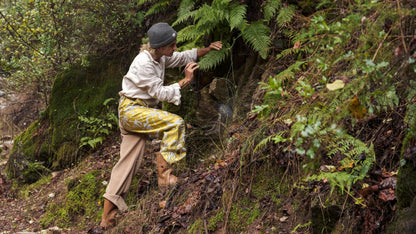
<point>350,164</point>
<point>358,111</point>
<point>337,84</point>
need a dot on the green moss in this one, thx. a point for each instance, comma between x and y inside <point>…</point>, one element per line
<point>213,221</point>
<point>81,200</point>
<point>54,139</point>
<point>406,178</point>
<point>268,182</point>
<point>25,190</point>
<point>66,155</point>
<point>406,221</point>
<point>241,216</point>
<point>406,185</point>
<point>33,172</point>
<point>196,227</point>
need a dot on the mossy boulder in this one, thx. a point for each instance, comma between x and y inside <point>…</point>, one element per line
<point>406,187</point>
<point>80,200</point>
<point>53,141</point>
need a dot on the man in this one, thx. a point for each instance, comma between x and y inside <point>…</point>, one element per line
<point>142,89</point>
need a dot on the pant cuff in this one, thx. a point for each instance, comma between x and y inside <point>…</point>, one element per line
<point>117,201</point>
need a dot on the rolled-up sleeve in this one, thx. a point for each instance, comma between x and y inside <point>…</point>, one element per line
<point>179,59</point>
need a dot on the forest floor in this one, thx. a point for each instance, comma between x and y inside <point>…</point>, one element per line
<point>22,212</point>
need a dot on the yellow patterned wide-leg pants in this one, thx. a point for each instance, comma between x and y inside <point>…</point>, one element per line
<point>136,117</point>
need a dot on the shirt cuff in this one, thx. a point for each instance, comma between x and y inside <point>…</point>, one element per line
<point>177,97</point>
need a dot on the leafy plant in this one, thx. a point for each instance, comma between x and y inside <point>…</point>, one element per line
<point>220,18</point>
<point>96,129</point>
<point>42,38</point>
<point>323,52</point>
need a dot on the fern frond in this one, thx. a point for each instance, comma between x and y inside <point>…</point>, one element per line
<point>158,7</point>
<point>141,2</point>
<point>257,35</point>
<point>237,15</point>
<point>213,58</point>
<point>211,14</point>
<point>186,6</point>
<point>188,33</point>
<point>270,9</point>
<point>220,4</point>
<point>285,15</point>
<point>184,17</point>
<point>291,34</point>
<point>263,143</point>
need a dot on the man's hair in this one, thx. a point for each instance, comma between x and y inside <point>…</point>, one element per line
<point>147,47</point>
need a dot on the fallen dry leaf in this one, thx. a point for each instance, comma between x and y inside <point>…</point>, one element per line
<point>357,110</point>
<point>162,204</point>
<point>337,84</point>
<point>283,219</point>
<point>296,45</point>
<point>387,195</point>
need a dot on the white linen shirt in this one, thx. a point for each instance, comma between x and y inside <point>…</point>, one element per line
<point>145,77</point>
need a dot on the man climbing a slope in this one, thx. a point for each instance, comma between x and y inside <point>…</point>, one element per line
<point>142,89</point>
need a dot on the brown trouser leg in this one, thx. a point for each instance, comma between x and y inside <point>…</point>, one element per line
<point>131,155</point>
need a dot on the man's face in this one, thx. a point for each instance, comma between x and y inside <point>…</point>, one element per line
<point>168,49</point>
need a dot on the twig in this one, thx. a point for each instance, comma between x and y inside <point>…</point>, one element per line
<point>400,26</point>
<point>381,43</point>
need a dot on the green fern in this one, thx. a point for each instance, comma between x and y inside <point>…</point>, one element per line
<point>285,15</point>
<point>257,35</point>
<point>237,16</point>
<point>213,58</point>
<point>263,143</point>
<point>189,33</point>
<point>184,17</point>
<point>185,7</point>
<point>270,8</point>
<point>141,2</point>
<point>158,7</point>
<point>220,18</point>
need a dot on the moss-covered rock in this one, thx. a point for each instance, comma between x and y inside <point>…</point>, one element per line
<point>406,221</point>
<point>80,200</point>
<point>54,140</point>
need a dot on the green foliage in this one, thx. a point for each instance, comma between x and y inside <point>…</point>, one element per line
<point>95,129</point>
<point>285,15</point>
<point>156,7</point>
<point>221,18</point>
<point>257,35</point>
<point>27,190</point>
<point>214,220</point>
<point>33,172</point>
<point>41,38</point>
<point>270,8</point>
<point>196,227</point>
<point>324,51</point>
<point>214,58</point>
<point>241,216</point>
<point>80,201</point>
